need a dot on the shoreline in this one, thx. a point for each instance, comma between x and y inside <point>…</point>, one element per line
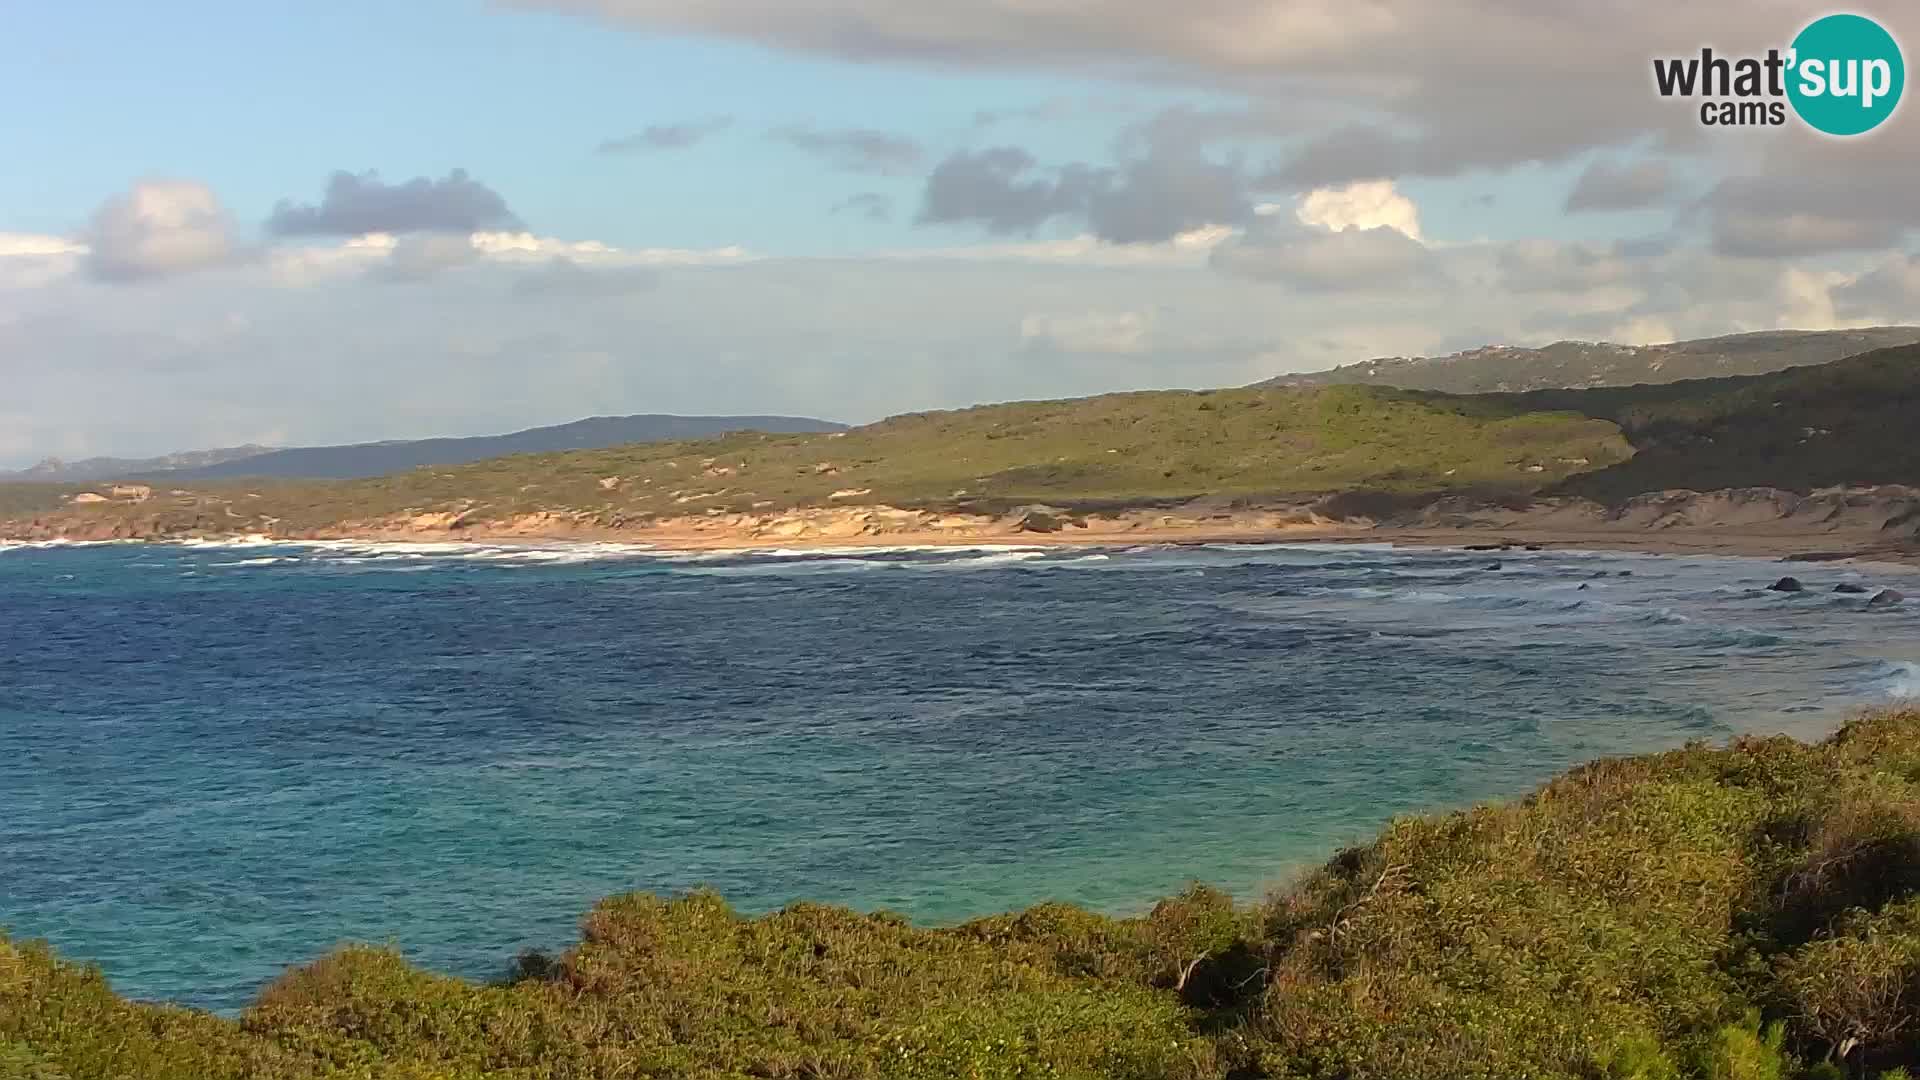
<point>1784,546</point>
<point>1878,524</point>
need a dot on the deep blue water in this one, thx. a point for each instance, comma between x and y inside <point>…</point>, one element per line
<point>218,761</point>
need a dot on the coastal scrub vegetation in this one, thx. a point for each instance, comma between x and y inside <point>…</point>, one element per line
<point>1750,912</point>
<point>1129,449</point>
<point>1840,423</point>
<point>1503,368</point>
<point>1847,422</point>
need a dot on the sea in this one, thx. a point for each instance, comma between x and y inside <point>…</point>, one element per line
<point>218,760</point>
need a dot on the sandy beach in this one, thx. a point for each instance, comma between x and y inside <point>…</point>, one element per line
<point>1880,524</point>
<point>1788,546</point>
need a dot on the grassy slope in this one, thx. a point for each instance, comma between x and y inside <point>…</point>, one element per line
<point>1848,422</point>
<point>1580,363</point>
<point>1747,912</point>
<point>1133,449</point>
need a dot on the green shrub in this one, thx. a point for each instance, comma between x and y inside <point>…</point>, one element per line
<point>1748,1051</point>
<point>1856,993</point>
<point>1744,913</point>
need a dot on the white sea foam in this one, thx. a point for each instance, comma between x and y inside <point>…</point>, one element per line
<point>250,540</point>
<point>790,569</point>
<point>355,552</point>
<point>1327,547</point>
<point>1899,679</point>
<point>1000,558</point>
<point>43,545</point>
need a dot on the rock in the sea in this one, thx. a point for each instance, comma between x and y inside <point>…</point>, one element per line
<point>1495,565</point>
<point>1787,584</point>
<point>1850,589</point>
<point>1885,598</point>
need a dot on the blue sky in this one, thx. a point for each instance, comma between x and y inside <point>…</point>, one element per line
<point>1161,195</point>
<point>269,99</point>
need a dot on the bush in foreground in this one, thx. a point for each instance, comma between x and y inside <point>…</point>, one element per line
<point>1746,913</point>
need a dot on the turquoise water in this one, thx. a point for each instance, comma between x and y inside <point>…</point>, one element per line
<point>218,761</point>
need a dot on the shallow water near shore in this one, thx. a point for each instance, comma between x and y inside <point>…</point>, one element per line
<point>218,760</point>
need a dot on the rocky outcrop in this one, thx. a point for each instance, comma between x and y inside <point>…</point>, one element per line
<point>1891,512</point>
<point>1034,519</point>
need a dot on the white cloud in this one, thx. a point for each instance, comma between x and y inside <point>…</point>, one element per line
<point>1112,332</point>
<point>995,32</point>
<point>1312,259</point>
<point>1189,249</point>
<point>1537,265</point>
<point>417,255</point>
<point>29,260</point>
<point>194,360</point>
<point>1369,204</point>
<point>1806,299</point>
<point>1886,293</point>
<point>29,245</point>
<point>526,247</point>
<point>300,266</point>
<point>1644,330</point>
<point>159,228</point>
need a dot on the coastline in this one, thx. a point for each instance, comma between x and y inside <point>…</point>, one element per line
<point>1880,524</point>
<point>1787,547</point>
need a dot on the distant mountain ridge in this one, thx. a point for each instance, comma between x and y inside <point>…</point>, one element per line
<point>55,471</point>
<point>364,460</point>
<point>1566,365</point>
<point>594,433</point>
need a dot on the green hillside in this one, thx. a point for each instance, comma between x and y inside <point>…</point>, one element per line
<point>1574,364</point>
<point>1848,422</point>
<point>1750,913</point>
<point>1854,421</point>
<point>1117,449</point>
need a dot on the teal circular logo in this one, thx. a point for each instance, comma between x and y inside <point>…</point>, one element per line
<point>1846,74</point>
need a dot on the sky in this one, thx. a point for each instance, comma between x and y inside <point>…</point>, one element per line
<point>225,222</point>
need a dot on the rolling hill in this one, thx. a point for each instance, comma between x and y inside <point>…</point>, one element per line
<point>382,458</point>
<point>1853,421</point>
<point>1570,364</point>
<point>87,470</point>
<point>1849,422</point>
<point>1115,450</point>
<point>379,459</point>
